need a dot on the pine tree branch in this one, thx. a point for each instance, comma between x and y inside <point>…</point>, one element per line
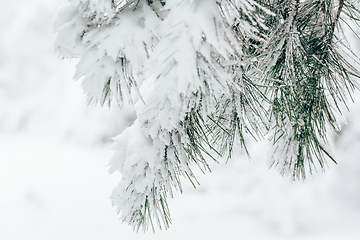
<point>197,65</point>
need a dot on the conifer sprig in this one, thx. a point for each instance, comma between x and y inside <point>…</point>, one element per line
<point>308,77</point>
<point>203,74</point>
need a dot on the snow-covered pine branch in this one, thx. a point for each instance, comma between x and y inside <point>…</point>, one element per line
<point>182,80</point>
<point>174,61</point>
<point>201,74</point>
<point>307,75</point>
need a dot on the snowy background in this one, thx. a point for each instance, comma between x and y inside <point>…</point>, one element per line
<point>54,150</point>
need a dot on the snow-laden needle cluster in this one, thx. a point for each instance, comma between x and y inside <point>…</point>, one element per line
<point>201,74</point>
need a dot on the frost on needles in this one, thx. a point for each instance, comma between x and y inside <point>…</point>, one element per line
<point>202,74</point>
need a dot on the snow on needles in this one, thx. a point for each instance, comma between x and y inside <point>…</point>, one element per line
<point>172,57</point>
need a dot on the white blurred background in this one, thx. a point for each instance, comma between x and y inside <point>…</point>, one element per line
<point>54,150</point>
